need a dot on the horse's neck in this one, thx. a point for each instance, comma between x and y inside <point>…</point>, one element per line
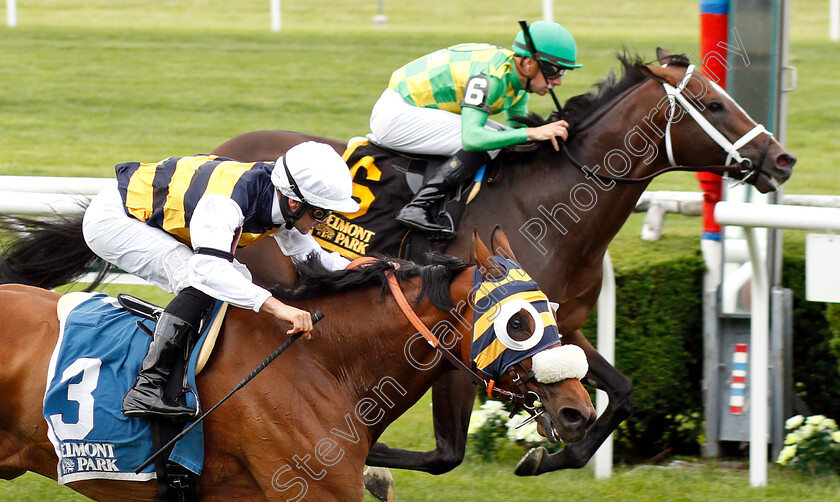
<point>565,218</point>
<point>624,140</point>
<point>377,359</point>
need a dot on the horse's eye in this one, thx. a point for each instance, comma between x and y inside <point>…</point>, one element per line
<point>518,325</point>
<point>716,106</point>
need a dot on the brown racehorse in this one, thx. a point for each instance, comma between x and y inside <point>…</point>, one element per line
<point>303,429</point>
<point>567,217</point>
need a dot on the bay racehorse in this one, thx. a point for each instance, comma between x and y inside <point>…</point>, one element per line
<point>303,429</point>
<point>568,206</point>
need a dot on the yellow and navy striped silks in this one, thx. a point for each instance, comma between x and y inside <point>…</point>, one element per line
<point>165,194</point>
<point>490,355</point>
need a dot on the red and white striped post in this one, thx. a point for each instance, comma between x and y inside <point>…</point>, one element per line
<point>714,26</point>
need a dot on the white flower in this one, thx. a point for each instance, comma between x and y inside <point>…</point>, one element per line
<point>791,438</point>
<point>830,424</point>
<point>786,454</point>
<point>815,420</point>
<point>836,436</point>
<point>534,437</point>
<point>524,433</point>
<point>807,431</point>
<point>496,407</point>
<point>477,421</point>
<point>794,422</point>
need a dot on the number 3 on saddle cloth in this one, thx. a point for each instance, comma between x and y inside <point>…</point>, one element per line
<point>95,361</point>
<point>384,181</point>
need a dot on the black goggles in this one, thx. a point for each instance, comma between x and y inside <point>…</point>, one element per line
<point>551,71</point>
<point>319,213</point>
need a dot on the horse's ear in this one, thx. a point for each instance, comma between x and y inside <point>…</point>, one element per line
<point>663,56</point>
<point>489,268</point>
<point>500,244</point>
<point>658,73</point>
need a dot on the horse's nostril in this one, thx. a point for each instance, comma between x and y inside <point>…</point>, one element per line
<point>785,160</point>
<point>571,415</point>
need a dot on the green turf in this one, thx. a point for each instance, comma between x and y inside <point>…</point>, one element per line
<point>89,83</point>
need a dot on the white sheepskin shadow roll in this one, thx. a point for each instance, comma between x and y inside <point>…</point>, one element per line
<point>559,363</point>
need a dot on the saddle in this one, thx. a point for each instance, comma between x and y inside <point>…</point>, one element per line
<point>385,180</point>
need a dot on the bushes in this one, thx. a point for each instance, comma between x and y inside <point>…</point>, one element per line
<point>659,346</point>
<point>815,365</point>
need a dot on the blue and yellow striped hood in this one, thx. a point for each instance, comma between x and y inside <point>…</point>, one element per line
<point>495,301</point>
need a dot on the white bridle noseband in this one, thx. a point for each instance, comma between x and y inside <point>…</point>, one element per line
<point>674,94</point>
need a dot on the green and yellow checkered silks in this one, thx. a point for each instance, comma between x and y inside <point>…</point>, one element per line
<point>437,80</point>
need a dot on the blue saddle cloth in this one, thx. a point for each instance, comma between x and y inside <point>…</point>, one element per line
<point>95,362</point>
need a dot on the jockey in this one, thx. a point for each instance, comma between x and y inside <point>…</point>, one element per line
<point>177,224</point>
<point>440,104</point>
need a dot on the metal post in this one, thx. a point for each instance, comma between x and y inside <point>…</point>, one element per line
<point>11,13</point>
<point>711,371</point>
<point>276,23</point>
<point>834,20</point>
<point>759,329</point>
<point>606,347</point>
<point>548,10</point>
<point>380,19</point>
<point>781,365</point>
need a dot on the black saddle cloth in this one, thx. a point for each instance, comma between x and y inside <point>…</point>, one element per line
<point>384,181</point>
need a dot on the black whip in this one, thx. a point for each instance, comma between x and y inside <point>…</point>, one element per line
<point>317,316</point>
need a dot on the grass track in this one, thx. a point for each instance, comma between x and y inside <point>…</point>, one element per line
<point>89,83</point>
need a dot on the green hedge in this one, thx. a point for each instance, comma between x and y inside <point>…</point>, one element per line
<point>659,346</point>
<point>816,331</point>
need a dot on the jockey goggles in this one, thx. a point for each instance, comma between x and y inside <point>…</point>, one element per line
<point>318,214</point>
<point>551,71</point>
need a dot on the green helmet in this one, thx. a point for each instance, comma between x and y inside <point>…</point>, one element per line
<point>552,41</point>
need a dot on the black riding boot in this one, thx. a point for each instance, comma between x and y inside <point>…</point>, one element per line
<point>454,171</point>
<point>174,327</point>
<point>147,398</point>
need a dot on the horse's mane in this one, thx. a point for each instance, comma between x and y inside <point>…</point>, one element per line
<point>314,280</point>
<point>578,108</point>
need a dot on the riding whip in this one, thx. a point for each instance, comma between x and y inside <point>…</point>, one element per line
<point>317,316</point>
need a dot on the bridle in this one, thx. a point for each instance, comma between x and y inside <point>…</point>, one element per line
<point>743,169</point>
<point>523,399</point>
<point>732,150</point>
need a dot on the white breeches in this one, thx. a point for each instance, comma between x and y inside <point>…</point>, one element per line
<point>401,126</point>
<point>135,247</point>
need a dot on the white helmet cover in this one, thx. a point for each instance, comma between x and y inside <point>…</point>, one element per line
<point>321,175</point>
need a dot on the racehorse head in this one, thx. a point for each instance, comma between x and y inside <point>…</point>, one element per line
<point>517,346</point>
<point>706,127</point>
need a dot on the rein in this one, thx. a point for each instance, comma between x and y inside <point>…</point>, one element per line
<point>744,173</point>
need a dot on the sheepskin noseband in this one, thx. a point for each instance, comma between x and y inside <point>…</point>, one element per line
<point>559,363</point>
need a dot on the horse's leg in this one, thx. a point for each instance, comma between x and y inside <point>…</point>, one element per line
<point>453,396</point>
<point>619,389</point>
